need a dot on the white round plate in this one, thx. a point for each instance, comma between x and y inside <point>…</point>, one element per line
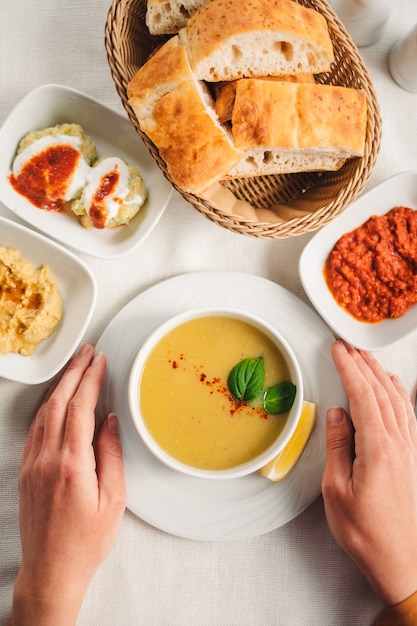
<point>231,509</point>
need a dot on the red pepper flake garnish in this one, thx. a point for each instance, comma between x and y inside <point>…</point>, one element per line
<point>216,385</point>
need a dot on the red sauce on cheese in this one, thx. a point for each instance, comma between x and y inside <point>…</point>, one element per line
<point>44,179</point>
<point>372,270</point>
<point>97,211</point>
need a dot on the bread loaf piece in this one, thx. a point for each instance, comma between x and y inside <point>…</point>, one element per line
<point>167,68</point>
<point>165,17</point>
<point>225,92</point>
<point>230,39</point>
<point>288,127</point>
<point>176,112</point>
<point>277,161</point>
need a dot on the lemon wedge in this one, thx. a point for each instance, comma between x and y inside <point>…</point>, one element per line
<point>285,461</point>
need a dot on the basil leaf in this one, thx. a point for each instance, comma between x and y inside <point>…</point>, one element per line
<point>279,398</point>
<point>246,379</point>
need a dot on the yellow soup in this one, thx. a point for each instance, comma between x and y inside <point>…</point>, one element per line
<point>185,401</point>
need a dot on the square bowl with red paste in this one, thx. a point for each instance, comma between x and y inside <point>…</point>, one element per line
<point>360,271</point>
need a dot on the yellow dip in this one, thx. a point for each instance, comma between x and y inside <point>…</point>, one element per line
<point>30,304</point>
<point>185,401</point>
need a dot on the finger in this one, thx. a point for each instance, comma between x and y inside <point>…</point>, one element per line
<point>110,465</point>
<point>410,419</point>
<point>57,404</point>
<point>340,450</point>
<point>364,407</point>
<point>80,423</point>
<point>391,400</point>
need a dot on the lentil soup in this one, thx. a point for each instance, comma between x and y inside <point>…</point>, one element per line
<point>185,401</point>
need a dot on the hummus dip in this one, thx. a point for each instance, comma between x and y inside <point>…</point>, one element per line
<point>30,304</point>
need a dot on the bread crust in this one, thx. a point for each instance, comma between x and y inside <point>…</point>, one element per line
<point>177,113</point>
<point>166,68</point>
<point>267,34</point>
<point>299,115</point>
<point>225,92</point>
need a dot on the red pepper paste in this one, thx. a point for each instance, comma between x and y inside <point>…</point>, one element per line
<point>44,179</point>
<point>372,270</point>
<point>97,211</point>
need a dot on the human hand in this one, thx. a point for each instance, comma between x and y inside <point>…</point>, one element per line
<point>370,479</point>
<point>72,497</point>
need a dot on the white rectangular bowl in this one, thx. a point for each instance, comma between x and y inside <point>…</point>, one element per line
<point>399,190</point>
<point>78,290</point>
<point>113,135</point>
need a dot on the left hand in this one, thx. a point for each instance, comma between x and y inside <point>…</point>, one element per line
<point>72,497</point>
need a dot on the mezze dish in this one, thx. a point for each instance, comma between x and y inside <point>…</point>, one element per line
<point>56,169</point>
<point>49,300</point>
<point>30,303</point>
<point>215,394</point>
<point>359,271</point>
<point>97,132</point>
<point>371,270</point>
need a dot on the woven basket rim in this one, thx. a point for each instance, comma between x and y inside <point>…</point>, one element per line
<point>118,41</point>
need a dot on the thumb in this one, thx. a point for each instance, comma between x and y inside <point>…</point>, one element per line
<point>110,462</point>
<point>339,445</point>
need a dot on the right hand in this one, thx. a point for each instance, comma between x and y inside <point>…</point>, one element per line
<point>370,479</point>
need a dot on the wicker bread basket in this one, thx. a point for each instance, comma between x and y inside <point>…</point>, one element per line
<point>300,203</point>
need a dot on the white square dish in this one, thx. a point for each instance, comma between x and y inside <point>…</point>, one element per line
<point>113,135</point>
<point>399,190</point>
<point>78,291</point>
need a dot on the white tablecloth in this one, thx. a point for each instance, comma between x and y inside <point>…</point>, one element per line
<point>293,576</point>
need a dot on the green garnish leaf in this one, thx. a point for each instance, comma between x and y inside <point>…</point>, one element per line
<point>279,398</point>
<point>246,379</point>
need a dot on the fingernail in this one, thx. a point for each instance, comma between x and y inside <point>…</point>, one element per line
<point>341,345</point>
<point>334,416</point>
<point>397,381</point>
<point>84,348</point>
<point>98,357</point>
<point>113,424</point>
